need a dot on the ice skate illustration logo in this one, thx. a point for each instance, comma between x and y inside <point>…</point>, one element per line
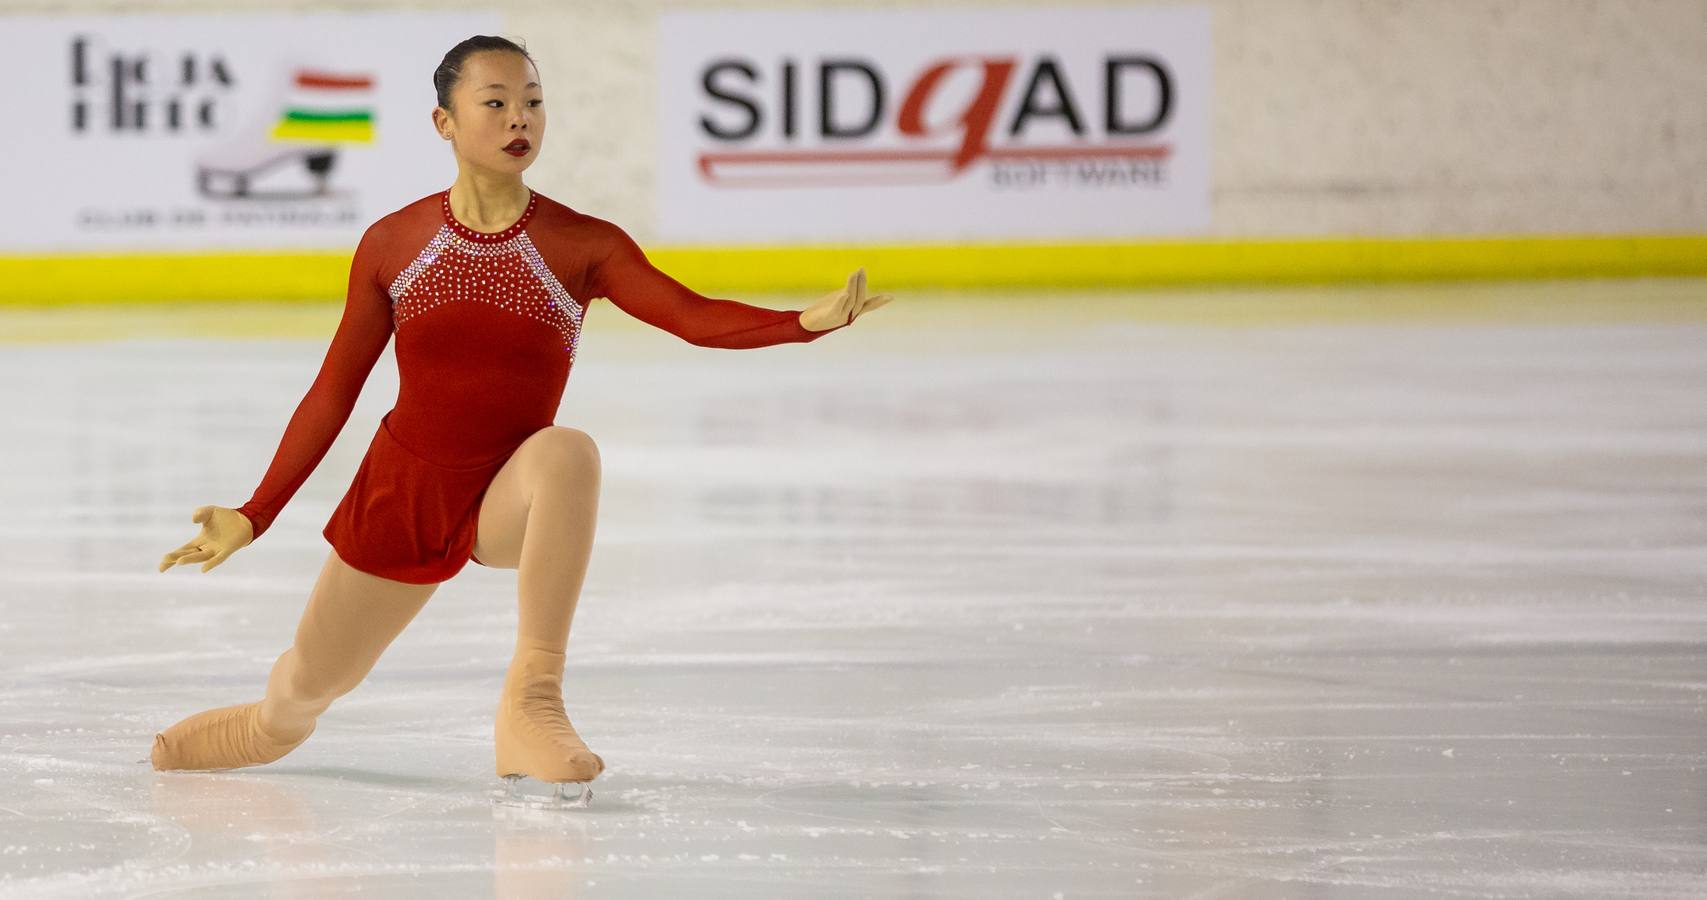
<point>291,151</point>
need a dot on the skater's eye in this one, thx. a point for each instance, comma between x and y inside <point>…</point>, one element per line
<point>534,102</point>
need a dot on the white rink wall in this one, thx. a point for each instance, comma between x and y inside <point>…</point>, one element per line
<point>1330,117</point>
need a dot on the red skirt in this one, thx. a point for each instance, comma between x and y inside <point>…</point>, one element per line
<point>408,519</point>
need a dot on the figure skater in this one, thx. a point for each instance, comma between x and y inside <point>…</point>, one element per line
<point>486,286</point>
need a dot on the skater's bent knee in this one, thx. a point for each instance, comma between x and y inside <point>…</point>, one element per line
<point>561,448</point>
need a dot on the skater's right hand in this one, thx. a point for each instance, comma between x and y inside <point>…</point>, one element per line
<point>843,306</point>
<point>224,532</point>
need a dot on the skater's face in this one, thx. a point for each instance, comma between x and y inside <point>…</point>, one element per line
<point>495,106</point>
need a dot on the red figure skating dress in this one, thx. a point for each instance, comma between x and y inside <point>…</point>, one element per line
<point>487,326</point>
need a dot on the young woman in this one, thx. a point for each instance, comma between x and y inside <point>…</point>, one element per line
<point>486,287</point>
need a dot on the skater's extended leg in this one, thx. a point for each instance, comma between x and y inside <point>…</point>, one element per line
<point>350,619</point>
<point>538,517</point>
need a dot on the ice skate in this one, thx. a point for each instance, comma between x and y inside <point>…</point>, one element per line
<point>302,126</point>
<point>529,793</point>
<point>229,737</point>
<point>534,740</point>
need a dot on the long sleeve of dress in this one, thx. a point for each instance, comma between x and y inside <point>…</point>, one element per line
<point>361,336</point>
<point>638,288</point>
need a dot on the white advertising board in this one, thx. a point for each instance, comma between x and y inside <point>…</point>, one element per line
<point>229,131</point>
<point>804,126</point>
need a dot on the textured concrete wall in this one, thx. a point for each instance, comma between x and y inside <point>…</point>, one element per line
<point>1331,117</point>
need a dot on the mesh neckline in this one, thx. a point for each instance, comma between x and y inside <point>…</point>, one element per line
<point>487,236</point>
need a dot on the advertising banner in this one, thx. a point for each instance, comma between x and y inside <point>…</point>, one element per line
<point>933,125</point>
<point>230,131</point>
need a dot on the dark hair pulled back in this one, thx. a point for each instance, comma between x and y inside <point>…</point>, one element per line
<point>449,71</point>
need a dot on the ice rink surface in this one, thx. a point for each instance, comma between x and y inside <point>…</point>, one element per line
<point>1351,593</point>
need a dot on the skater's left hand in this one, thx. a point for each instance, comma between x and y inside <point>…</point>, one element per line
<point>843,306</point>
<point>224,532</point>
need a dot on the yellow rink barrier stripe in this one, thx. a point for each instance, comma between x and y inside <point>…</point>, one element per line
<point>154,277</point>
<point>1177,263</point>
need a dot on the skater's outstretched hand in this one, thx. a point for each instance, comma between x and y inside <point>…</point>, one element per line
<point>841,307</point>
<point>224,532</point>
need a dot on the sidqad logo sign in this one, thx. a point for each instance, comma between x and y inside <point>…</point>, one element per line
<point>933,124</point>
<point>1010,95</point>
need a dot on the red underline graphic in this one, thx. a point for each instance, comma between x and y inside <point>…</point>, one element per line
<point>781,159</point>
<point>324,80</point>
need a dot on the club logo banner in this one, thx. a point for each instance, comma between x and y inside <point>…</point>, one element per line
<point>226,131</point>
<point>832,125</point>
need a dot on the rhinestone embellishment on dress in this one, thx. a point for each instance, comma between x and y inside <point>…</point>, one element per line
<point>504,269</point>
<point>480,236</point>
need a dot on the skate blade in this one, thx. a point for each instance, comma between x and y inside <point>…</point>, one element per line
<point>522,792</point>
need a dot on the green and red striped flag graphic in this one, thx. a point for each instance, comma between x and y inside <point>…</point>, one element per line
<point>327,108</point>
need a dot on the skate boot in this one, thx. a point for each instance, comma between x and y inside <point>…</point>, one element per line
<point>533,737</point>
<point>226,738</point>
